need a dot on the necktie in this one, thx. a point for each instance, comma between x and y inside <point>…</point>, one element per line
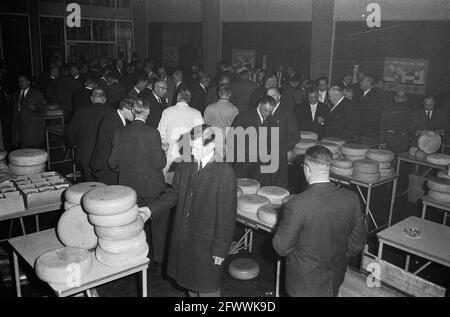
<point>22,100</point>
<point>429,115</point>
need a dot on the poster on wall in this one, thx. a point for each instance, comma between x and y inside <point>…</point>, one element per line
<point>409,75</point>
<point>243,58</point>
<point>170,56</point>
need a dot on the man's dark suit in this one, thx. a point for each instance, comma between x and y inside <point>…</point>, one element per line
<point>82,133</point>
<point>342,122</point>
<point>103,147</point>
<point>320,230</point>
<point>242,91</point>
<point>198,97</point>
<point>419,121</point>
<point>257,94</point>
<point>81,98</point>
<point>394,124</point>
<point>370,108</point>
<point>305,120</point>
<point>116,93</point>
<point>176,91</point>
<point>138,157</point>
<point>59,91</point>
<point>156,108</point>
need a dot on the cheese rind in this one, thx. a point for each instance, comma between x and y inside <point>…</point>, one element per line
<point>68,205</point>
<point>366,166</point>
<point>342,163</point>
<point>443,174</point>
<point>384,156</point>
<point>244,269</point>
<point>438,159</point>
<point>348,172</point>
<point>116,220</point>
<point>75,230</point>
<point>333,147</point>
<point>388,172</point>
<point>26,170</point>
<point>309,135</point>
<point>122,232</point>
<point>28,157</point>
<point>338,141</point>
<point>121,259</point>
<point>109,200</point>
<point>369,178</point>
<point>354,149</point>
<point>274,193</point>
<point>248,186</point>
<point>75,192</point>
<point>438,196</point>
<point>123,246</point>
<point>429,142</point>
<point>305,144</point>
<point>239,192</point>
<point>439,184</point>
<point>251,203</point>
<point>269,214</point>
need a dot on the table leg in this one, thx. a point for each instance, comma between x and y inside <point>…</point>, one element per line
<point>250,248</point>
<point>17,274</point>
<point>445,218</point>
<point>277,281</point>
<point>380,251</point>
<point>424,211</point>
<point>246,239</point>
<point>48,149</point>
<point>391,210</point>
<point>408,258</point>
<point>398,166</point>
<point>23,226</point>
<point>144,282</point>
<point>37,222</point>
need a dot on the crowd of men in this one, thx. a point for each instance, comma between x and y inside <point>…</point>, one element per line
<point>126,123</point>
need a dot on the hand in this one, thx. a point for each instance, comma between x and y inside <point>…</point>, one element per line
<point>218,260</point>
<point>165,146</point>
<point>145,213</point>
<point>321,120</point>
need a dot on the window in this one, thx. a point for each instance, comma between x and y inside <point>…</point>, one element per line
<point>80,34</point>
<point>103,3</point>
<point>104,30</point>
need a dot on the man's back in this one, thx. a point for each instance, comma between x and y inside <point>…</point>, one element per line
<point>220,114</point>
<point>242,90</point>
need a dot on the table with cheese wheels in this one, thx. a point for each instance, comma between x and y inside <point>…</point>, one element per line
<point>430,202</point>
<point>31,246</point>
<point>431,242</point>
<point>407,158</point>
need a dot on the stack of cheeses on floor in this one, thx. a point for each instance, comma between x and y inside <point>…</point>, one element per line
<point>439,189</point>
<point>114,213</point>
<point>27,161</point>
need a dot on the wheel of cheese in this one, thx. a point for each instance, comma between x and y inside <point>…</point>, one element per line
<point>28,157</point>
<point>244,269</point>
<point>3,155</point>
<point>441,197</point>
<point>388,172</point>
<point>121,259</point>
<point>429,142</point>
<point>437,184</point>
<point>249,186</point>
<point>68,205</point>
<point>385,165</point>
<point>109,200</point>
<point>443,174</point>
<point>123,246</point>
<point>239,192</point>
<point>269,214</point>
<point>309,135</point>
<point>338,141</point>
<point>290,156</point>
<point>333,147</point>
<point>348,172</point>
<point>58,266</point>
<point>420,155</point>
<point>74,193</point>
<point>52,107</point>
<point>285,200</point>
<point>354,149</point>
<point>274,193</point>
<point>438,159</point>
<point>366,166</point>
<point>75,230</point>
<point>251,203</point>
<point>297,151</point>
<point>116,220</point>
<point>305,144</point>
<point>342,163</point>
<point>366,177</point>
<point>122,232</point>
<point>380,155</point>
<point>412,151</point>
<point>336,156</point>
<point>354,158</point>
<point>26,170</point>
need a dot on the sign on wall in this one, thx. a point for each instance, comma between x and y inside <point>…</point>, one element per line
<point>170,56</point>
<point>409,75</point>
<point>243,58</point>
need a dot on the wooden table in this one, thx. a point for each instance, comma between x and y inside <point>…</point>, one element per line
<point>31,246</point>
<point>428,201</point>
<point>433,245</point>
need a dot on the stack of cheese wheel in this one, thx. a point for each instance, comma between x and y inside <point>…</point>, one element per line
<point>269,214</point>
<point>384,159</point>
<point>342,167</point>
<point>444,174</point>
<point>366,170</point>
<point>27,161</point>
<point>353,151</point>
<point>57,266</point>
<point>309,135</point>
<point>239,192</point>
<point>439,189</point>
<point>248,186</point>
<point>3,155</point>
<point>274,193</point>
<point>244,269</point>
<point>438,159</point>
<point>74,228</point>
<point>115,215</point>
<point>251,203</point>
<point>429,142</point>
<point>333,147</point>
<point>304,144</point>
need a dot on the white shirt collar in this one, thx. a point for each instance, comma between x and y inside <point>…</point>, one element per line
<point>204,88</point>
<point>157,98</point>
<point>367,91</point>
<point>205,160</point>
<point>77,76</point>
<point>181,103</point>
<point>137,90</point>
<point>25,91</point>
<point>260,116</point>
<point>122,118</point>
<point>276,107</point>
<point>89,88</point>
<point>337,104</point>
<point>139,119</point>
<point>178,84</point>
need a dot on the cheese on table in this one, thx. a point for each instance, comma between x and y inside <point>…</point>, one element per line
<point>354,158</point>
<point>412,151</point>
<point>380,155</point>
<point>305,144</point>
<point>385,165</point>
<point>121,259</point>
<point>342,163</point>
<point>109,200</point>
<point>58,266</point>
<point>338,141</point>
<point>19,170</point>
<point>439,184</point>
<point>121,232</point>
<point>68,205</point>
<point>420,155</point>
<point>285,200</point>
<point>251,203</point>
<point>274,193</point>
<point>75,230</point>
<point>366,166</point>
<point>239,192</point>
<point>429,142</point>
<point>336,156</point>
<point>443,174</point>
<point>388,172</point>
<point>297,151</point>
<point>333,147</point>
<point>348,172</point>
<point>74,193</point>
<point>369,178</point>
<point>244,269</point>
<point>269,214</point>
<point>354,149</point>
<point>309,135</point>
<point>28,157</point>
<point>438,196</point>
<point>116,220</point>
<point>248,185</point>
<point>123,246</point>
<point>438,159</point>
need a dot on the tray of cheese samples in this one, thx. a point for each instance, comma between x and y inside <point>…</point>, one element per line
<point>11,199</point>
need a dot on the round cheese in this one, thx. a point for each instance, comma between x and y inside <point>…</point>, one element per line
<point>348,172</point>
<point>336,156</point>
<point>3,155</point>
<point>354,158</point>
<point>420,155</point>
<point>309,135</point>
<point>239,192</point>
<point>26,170</point>
<point>58,266</point>
<point>74,193</point>
<point>285,200</point>
<point>116,220</point>
<point>75,230</point>
<point>412,151</point>
<point>297,151</point>
<point>366,177</point>
<point>249,186</point>
<point>28,157</point>
<point>438,159</point>
<point>353,149</point>
<point>380,155</point>
<point>274,193</point>
<point>290,156</point>
<point>429,142</point>
<point>333,147</point>
<point>68,205</point>
<point>385,165</point>
<point>338,141</point>
<point>438,196</point>
<point>121,259</point>
<point>305,144</point>
<point>439,184</point>
<point>366,166</point>
<point>342,163</point>
<point>251,203</point>
<point>109,200</point>
<point>122,232</point>
<point>124,246</point>
<point>443,174</point>
<point>244,269</point>
<point>269,214</point>
<point>388,172</point>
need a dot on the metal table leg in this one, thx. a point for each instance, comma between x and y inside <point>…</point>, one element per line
<point>391,210</point>
<point>408,259</point>
<point>23,226</point>
<point>17,274</point>
<point>424,211</point>
<point>37,222</point>
<point>380,250</point>
<point>144,282</point>
<point>277,282</point>
<point>367,203</point>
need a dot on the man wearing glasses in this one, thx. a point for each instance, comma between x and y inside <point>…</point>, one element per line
<point>157,100</point>
<point>321,229</point>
